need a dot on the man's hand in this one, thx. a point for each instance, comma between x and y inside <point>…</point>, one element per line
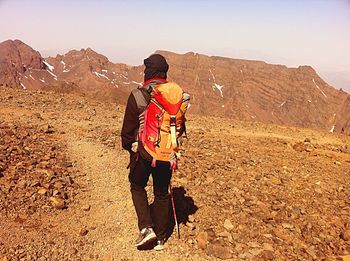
<point>134,146</point>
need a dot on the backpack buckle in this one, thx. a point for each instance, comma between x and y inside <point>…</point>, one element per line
<point>172,120</point>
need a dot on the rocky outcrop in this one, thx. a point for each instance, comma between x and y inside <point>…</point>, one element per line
<point>94,74</point>
<point>15,59</point>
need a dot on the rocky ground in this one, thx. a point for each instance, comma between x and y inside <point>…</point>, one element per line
<point>244,191</point>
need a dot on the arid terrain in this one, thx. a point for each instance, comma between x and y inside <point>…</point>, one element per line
<point>243,191</point>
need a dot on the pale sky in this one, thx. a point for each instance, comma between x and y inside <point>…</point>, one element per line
<point>290,32</point>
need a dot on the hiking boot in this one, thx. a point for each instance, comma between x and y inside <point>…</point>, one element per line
<point>159,244</point>
<point>146,235</point>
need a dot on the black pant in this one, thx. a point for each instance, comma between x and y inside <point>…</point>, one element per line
<point>140,171</point>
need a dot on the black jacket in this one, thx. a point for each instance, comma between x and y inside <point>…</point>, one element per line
<point>131,121</point>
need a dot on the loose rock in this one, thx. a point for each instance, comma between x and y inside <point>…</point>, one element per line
<point>219,251</point>
<point>228,225</point>
<point>202,240</point>
<point>346,235</point>
<point>57,202</point>
<point>84,232</point>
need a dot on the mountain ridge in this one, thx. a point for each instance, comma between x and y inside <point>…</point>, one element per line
<point>220,86</point>
<point>160,51</point>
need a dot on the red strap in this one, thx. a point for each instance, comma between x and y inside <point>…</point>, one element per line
<point>173,165</point>
<point>153,163</point>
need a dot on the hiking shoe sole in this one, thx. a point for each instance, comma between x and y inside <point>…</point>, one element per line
<point>158,247</point>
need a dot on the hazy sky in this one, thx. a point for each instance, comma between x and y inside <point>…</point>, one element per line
<point>291,32</point>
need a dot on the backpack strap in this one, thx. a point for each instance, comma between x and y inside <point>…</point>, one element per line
<point>173,130</point>
<point>140,99</point>
<point>142,91</point>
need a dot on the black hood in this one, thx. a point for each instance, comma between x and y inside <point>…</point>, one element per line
<point>155,67</point>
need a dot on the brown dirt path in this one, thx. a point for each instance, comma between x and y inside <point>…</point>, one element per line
<point>112,215</point>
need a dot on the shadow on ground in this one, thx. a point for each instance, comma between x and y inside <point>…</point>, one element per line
<point>184,206</point>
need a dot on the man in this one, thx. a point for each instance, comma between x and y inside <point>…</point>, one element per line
<point>153,226</point>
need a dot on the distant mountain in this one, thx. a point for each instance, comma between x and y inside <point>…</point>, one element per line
<point>94,74</point>
<point>81,71</point>
<point>255,90</point>
<point>16,58</point>
<point>240,89</point>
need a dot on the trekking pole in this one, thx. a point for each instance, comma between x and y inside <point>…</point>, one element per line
<point>173,205</point>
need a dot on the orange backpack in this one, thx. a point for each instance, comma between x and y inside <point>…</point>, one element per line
<point>162,123</point>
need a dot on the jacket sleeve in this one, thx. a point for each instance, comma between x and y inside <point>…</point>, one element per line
<point>130,123</point>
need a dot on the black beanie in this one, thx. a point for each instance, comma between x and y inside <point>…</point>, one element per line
<point>155,67</point>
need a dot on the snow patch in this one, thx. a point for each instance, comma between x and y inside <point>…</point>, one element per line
<point>138,83</point>
<point>309,101</point>
<point>31,77</point>
<point>113,72</point>
<point>319,88</point>
<point>219,87</point>
<point>134,82</point>
<point>104,70</point>
<point>53,75</point>
<point>215,85</point>
<point>23,86</point>
<point>223,106</point>
<point>49,66</point>
<point>65,70</point>
<point>283,103</point>
<point>101,75</point>
<point>125,77</point>
<point>26,77</point>
<point>42,80</point>
<point>64,65</point>
<point>332,129</point>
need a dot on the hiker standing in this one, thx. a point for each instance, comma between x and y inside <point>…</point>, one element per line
<point>150,133</point>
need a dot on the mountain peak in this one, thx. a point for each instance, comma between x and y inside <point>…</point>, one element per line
<point>307,68</point>
<point>87,54</point>
<point>17,57</point>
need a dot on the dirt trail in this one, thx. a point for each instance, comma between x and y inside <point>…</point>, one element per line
<point>111,220</point>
